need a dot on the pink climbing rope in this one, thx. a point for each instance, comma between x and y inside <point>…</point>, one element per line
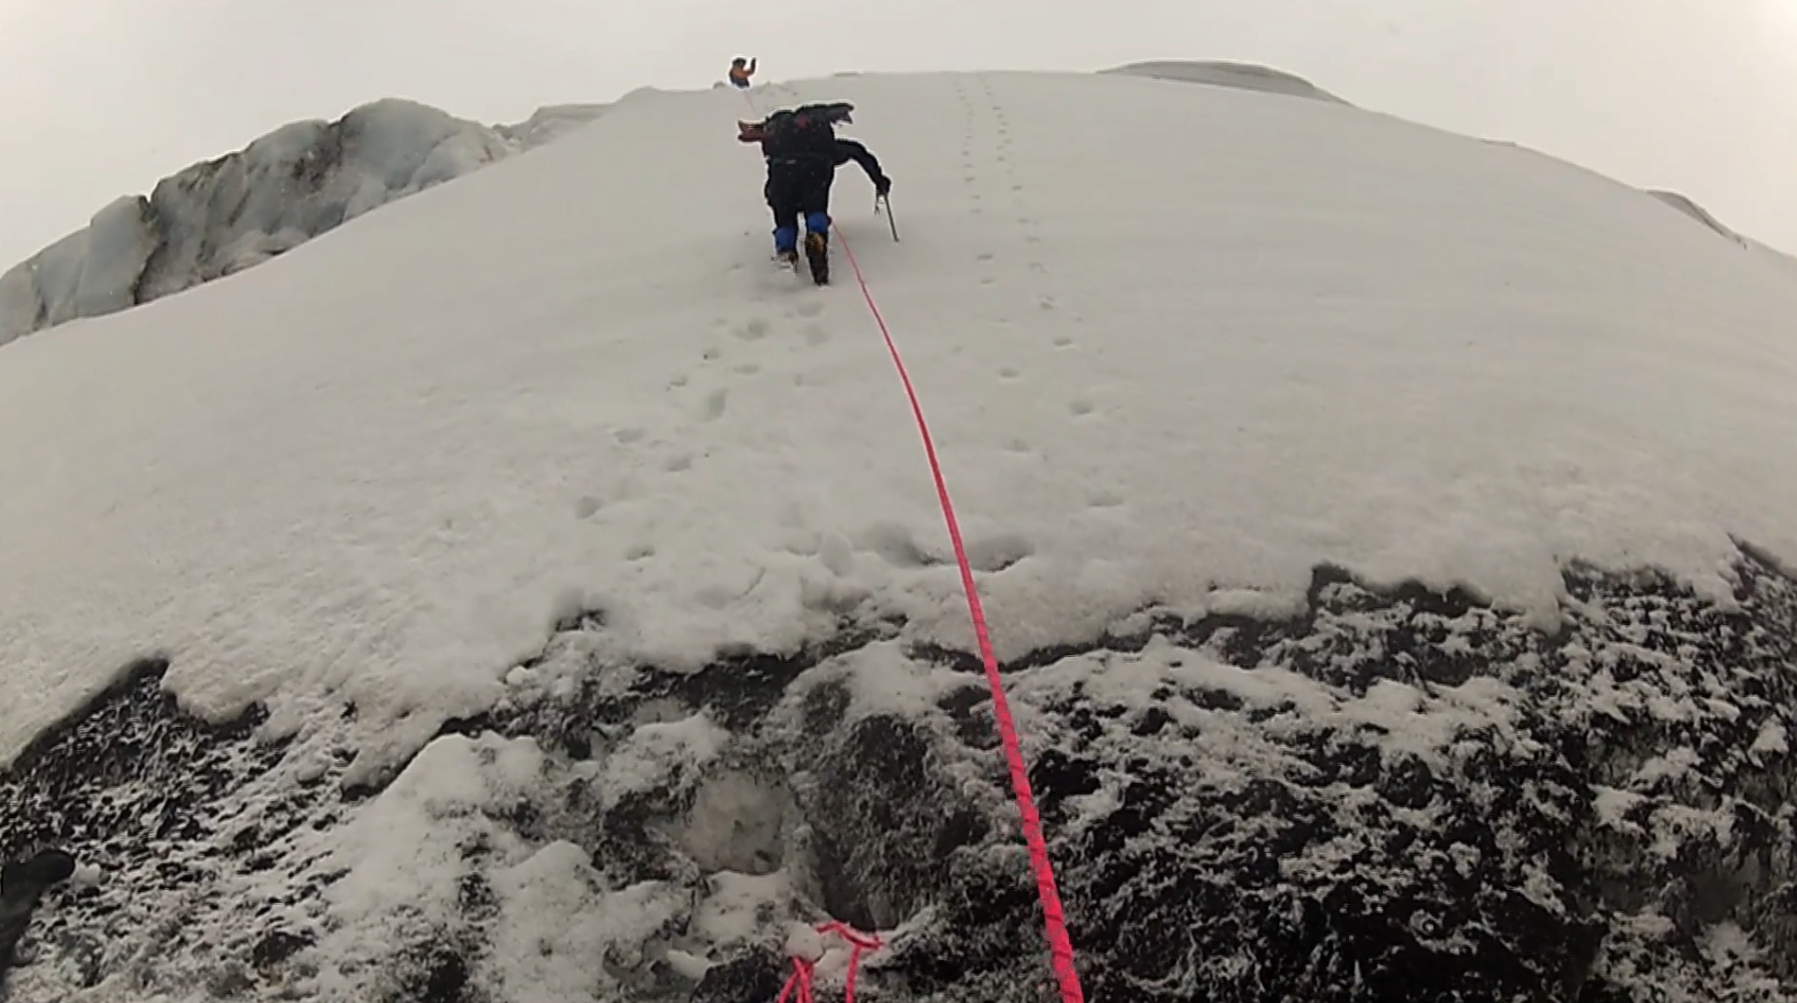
<point>1054,921</point>
<point>798,984</point>
<point>1060,946</point>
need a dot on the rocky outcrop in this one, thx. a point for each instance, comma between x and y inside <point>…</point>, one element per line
<point>1396,794</point>
<point>222,216</point>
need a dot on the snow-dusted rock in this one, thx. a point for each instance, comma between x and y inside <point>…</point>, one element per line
<point>1394,794</point>
<point>222,216</point>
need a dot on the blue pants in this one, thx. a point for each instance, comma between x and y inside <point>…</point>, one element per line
<point>799,190</point>
<point>786,235</point>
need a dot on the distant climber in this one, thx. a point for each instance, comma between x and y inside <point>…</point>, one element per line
<point>803,152</point>
<point>21,885</point>
<point>740,71</point>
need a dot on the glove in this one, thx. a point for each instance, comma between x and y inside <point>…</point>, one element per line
<point>883,187</point>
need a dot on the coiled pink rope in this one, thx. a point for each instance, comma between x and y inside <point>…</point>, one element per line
<point>798,985</point>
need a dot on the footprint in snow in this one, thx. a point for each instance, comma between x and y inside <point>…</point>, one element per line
<point>714,405</point>
<point>586,507</point>
<point>996,553</point>
<point>896,545</point>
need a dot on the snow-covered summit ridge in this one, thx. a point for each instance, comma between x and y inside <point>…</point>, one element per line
<point>1422,356</point>
<point>1685,204</point>
<point>224,215</point>
<point>1267,80</point>
<point>1220,73</point>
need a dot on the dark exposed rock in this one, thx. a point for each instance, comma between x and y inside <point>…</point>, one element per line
<point>22,884</point>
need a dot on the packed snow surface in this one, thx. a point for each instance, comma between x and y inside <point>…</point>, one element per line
<point>378,470</point>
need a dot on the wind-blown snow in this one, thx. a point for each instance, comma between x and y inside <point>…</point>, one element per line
<point>222,216</point>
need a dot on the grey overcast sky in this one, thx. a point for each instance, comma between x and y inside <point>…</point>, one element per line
<point>100,98</point>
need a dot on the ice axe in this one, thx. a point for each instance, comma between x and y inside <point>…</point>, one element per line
<point>890,222</point>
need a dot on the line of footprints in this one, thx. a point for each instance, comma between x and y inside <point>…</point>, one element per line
<point>975,161</point>
<point>998,159</point>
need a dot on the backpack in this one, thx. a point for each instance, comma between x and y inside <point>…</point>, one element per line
<point>809,130</point>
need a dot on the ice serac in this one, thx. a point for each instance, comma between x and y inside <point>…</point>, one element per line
<point>93,271</point>
<point>221,216</point>
<point>1243,76</point>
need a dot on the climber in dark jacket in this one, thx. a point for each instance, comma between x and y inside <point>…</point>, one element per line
<point>801,187</point>
<point>801,167</point>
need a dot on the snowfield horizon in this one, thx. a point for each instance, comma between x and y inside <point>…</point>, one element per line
<point>527,592</point>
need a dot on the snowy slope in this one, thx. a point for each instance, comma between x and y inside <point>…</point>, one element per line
<point>584,599</point>
<point>222,216</point>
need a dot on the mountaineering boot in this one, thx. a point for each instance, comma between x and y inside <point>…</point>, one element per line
<point>786,246</point>
<point>817,255</point>
<point>817,246</point>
